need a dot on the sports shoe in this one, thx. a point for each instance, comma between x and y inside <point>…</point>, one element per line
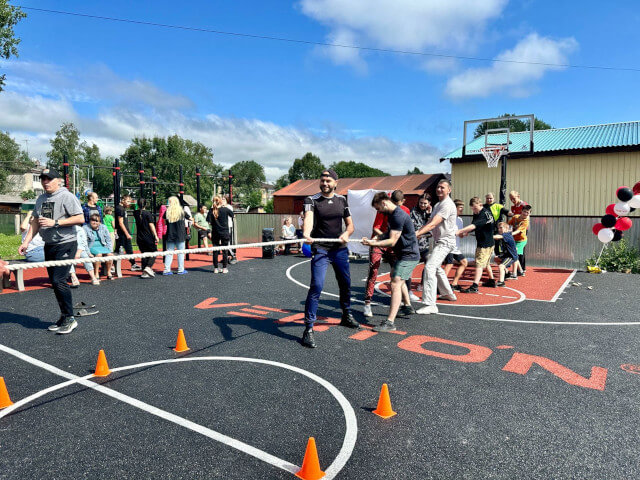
<point>500,284</point>
<point>472,289</point>
<point>406,310</point>
<point>233,261</point>
<point>489,283</point>
<point>145,275</point>
<point>225,270</point>
<point>95,281</point>
<point>307,338</point>
<point>135,267</point>
<point>56,326</point>
<point>183,272</point>
<point>413,297</point>
<point>523,272</point>
<point>149,271</point>
<point>510,276</point>
<point>450,297</point>
<point>169,272</point>
<point>67,326</point>
<point>427,309</point>
<point>456,288</point>
<point>216,270</point>
<point>367,310</point>
<point>348,321</point>
<point>386,326</point>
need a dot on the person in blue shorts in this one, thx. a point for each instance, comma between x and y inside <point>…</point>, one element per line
<point>509,252</point>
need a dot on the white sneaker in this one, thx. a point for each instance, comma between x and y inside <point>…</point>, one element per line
<point>451,297</point>
<point>149,271</point>
<point>367,310</point>
<point>427,309</point>
<point>414,297</point>
<point>215,270</point>
<point>225,270</point>
<point>145,275</point>
<point>135,267</point>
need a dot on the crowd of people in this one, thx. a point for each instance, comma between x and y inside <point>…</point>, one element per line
<point>402,238</point>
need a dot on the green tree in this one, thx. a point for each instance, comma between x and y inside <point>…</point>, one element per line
<point>13,161</point>
<point>253,199</point>
<point>102,178</point>
<point>248,177</point>
<point>415,171</point>
<point>514,124</point>
<point>356,170</point>
<point>9,18</point>
<point>268,208</point>
<point>282,182</point>
<point>165,155</point>
<point>306,168</point>
<point>66,142</point>
<point>28,195</point>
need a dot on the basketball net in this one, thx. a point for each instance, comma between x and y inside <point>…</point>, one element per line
<point>492,154</point>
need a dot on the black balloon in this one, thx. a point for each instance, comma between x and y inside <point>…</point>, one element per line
<point>617,236</point>
<point>609,221</point>
<point>625,194</point>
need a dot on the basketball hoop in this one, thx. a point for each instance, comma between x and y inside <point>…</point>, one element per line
<point>492,154</point>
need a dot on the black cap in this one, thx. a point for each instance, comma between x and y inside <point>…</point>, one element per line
<point>49,173</point>
<point>330,172</point>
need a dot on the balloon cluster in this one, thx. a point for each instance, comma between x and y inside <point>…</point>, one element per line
<point>615,220</point>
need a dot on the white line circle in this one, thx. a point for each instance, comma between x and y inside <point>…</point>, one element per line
<point>351,431</point>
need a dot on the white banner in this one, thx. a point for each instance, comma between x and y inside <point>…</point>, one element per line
<point>363,215</point>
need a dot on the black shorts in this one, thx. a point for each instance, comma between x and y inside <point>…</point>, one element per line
<point>453,258</point>
<point>203,233</point>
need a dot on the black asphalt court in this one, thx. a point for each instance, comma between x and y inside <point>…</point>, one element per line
<point>533,389</point>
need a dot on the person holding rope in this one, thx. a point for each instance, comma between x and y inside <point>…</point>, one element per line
<point>219,217</point>
<point>324,214</point>
<point>175,217</point>
<point>443,225</point>
<point>55,215</point>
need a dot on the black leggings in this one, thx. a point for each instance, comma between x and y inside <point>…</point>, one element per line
<point>147,247</point>
<point>522,259</point>
<point>125,243</point>
<point>58,275</point>
<point>220,241</point>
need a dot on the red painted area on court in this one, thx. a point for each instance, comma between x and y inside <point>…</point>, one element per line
<point>538,284</point>
<point>36,278</point>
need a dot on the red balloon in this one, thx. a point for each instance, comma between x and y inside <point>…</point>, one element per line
<point>597,227</point>
<point>636,189</point>
<point>623,223</point>
<point>610,211</point>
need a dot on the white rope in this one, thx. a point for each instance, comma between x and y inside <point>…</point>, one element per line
<point>111,258</point>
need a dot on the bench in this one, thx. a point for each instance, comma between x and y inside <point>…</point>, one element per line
<point>18,276</point>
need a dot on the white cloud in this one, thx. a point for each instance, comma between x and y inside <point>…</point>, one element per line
<point>454,25</point>
<point>36,118</point>
<point>514,79</point>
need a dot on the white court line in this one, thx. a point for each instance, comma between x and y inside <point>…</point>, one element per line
<point>341,459</point>
<point>564,285</point>
<point>543,322</point>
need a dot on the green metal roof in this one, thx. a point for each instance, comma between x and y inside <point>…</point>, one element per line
<point>611,135</point>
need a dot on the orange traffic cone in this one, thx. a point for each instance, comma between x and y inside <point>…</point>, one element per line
<point>181,343</point>
<point>311,464</point>
<point>102,368</point>
<point>5,401</point>
<point>384,409</point>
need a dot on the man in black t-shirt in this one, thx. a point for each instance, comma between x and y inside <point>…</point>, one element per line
<point>146,237</point>
<point>324,214</point>
<point>482,223</point>
<point>122,229</point>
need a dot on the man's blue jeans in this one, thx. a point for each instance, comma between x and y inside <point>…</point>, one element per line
<point>339,259</point>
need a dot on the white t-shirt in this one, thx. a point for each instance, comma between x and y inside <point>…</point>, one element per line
<point>446,230</point>
<point>459,226</point>
<point>36,241</point>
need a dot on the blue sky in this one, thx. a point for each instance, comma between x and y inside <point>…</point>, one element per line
<point>272,101</point>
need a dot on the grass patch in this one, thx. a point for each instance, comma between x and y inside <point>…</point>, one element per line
<point>9,246</point>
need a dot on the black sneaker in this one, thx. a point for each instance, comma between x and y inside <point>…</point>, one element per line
<point>307,338</point>
<point>489,283</point>
<point>510,276</point>
<point>67,326</point>
<point>472,289</point>
<point>456,288</point>
<point>500,284</point>
<point>348,321</point>
<point>56,326</point>
<point>406,310</point>
<point>386,326</point>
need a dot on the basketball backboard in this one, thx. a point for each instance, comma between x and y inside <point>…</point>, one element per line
<point>499,131</point>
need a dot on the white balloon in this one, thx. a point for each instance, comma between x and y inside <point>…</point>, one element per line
<point>605,235</point>
<point>622,209</point>
<point>635,202</point>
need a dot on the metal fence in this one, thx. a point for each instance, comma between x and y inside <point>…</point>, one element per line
<point>563,242</point>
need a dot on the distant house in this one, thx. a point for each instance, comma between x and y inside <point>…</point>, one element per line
<point>267,190</point>
<point>10,203</point>
<point>11,200</point>
<point>289,200</point>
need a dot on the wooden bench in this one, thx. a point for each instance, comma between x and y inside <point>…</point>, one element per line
<point>18,276</point>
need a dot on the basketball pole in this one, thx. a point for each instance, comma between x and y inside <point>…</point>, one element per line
<point>503,179</point>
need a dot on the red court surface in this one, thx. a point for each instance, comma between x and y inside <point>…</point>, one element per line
<point>36,278</point>
<point>541,284</point>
